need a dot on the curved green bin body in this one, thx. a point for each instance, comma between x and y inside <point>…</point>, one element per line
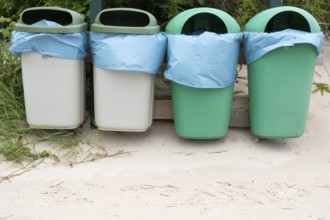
<point>280,82</point>
<point>201,113</point>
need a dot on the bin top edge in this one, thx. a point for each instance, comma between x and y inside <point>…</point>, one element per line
<point>99,28</point>
<point>258,22</point>
<point>176,24</point>
<point>76,18</point>
<point>54,30</point>
<point>152,19</point>
<point>48,8</point>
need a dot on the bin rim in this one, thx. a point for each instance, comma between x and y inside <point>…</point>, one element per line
<point>151,28</point>
<point>77,25</point>
<point>52,30</point>
<point>176,24</point>
<point>259,22</point>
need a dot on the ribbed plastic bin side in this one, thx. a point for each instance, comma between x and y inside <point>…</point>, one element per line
<point>54,91</point>
<point>280,82</point>
<point>54,88</point>
<point>201,113</point>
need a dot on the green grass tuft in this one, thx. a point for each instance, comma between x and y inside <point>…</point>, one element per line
<point>17,139</point>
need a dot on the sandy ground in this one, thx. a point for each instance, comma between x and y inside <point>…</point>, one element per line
<point>164,177</point>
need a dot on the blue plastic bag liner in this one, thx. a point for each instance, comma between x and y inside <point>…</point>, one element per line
<point>67,46</point>
<point>128,52</point>
<point>256,45</point>
<point>207,60</point>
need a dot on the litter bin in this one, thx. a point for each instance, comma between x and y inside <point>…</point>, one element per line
<point>52,45</point>
<point>281,46</point>
<point>203,49</point>
<point>128,49</point>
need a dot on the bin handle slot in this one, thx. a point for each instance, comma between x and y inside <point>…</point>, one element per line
<point>287,20</point>
<point>61,17</point>
<point>201,22</point>
<point>124,18</point>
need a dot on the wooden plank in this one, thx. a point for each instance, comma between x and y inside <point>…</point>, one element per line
<point>240,114</point>
<point>163,109</point>
<point>240,117</point>
<point>241,57</point>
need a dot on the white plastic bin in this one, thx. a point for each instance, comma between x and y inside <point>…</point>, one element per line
<point>52,44</point>
<point>54,91</point>
<point>123,99</point>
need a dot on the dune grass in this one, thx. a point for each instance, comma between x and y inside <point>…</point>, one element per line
<point>17,139</point>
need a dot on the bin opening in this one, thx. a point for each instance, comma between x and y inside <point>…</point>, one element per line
<point>199,23</point>
<point>61,17</point>
<point>124,18</point>
<point>287,20</point>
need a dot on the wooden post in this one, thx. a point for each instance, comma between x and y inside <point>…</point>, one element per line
<point>95,6</point>
<point>275,3</point>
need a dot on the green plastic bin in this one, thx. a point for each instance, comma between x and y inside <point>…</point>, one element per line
<point>201,113</point>
<point>280,82</point>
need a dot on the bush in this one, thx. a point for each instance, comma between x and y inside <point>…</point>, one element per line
<point>164,10</point>
<point>241,10</point>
